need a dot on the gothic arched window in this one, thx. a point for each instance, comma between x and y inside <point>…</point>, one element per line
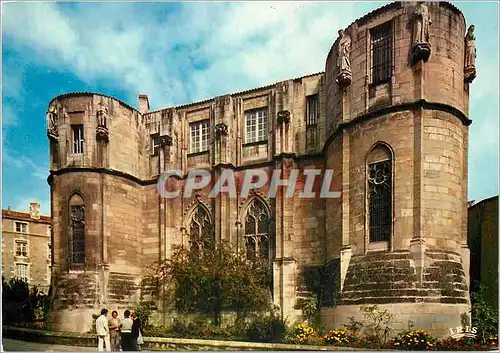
<point>201,234</point>
<point>258,240</point>
<point>77,226</point>
<point>379,175</point>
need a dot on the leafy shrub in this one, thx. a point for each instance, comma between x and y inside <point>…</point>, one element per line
<point>143,312</point>
<point>267,329</point>
<point>484,317</point>
<point>378,322</point>
<point>414,340</point>
<point>353,325</point>
<point>20,305</point>
<point>338,338</point>
<point>156,331</point>
<point>186,328</point>
<point>309,307</point>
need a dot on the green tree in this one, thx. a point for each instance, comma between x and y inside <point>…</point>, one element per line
<point>19,304</point>
<point>215,280</point>
<point>483,316</point>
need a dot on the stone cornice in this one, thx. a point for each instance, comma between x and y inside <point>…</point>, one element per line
<point>154,180</point>
<point>420,104</point>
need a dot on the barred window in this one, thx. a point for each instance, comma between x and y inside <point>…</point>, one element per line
<point>380,195</point>
<point>381,49</point>
<point>258,243</point>
<point>312,110</point>
<point>77,138</point>
<point>200,134</point>
<point>155,144</point>
<point>21,248</point>
<point>256,125</point>
<point>22,272</point>
<point>77,222</point>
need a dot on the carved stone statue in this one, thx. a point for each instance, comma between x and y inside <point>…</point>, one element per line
<point>102,128</point>
<point>52,122</point>
<point>421,22</point>
<point>344,59</point>
<point>102,115</point>
<point>470,54</point>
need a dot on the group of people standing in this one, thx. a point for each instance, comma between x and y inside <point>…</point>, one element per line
<point>116,333</point>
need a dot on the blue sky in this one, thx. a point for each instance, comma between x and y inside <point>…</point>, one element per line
<point>182,52</point>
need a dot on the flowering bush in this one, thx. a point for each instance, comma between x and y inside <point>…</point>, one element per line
<point>492,341</point>
<point>460,344</point>
<point>304,334</point>
<point>338,338</point>
<point>414,340</point>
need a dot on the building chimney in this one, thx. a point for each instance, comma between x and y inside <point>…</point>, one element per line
<point>34,210</point>
<point>143,103</point>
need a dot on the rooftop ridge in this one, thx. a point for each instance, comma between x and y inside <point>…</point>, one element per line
<point>23,215</point>
<point>233,94</point>
<point>89,93</point>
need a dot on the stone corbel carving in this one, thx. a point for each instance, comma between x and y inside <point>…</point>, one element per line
<point>470,55</point>
<point>102,124</point>
<point>344,60</point>
<point>421,48</point>
<point>283,117</point>
<point>51,116</point>
<point>220,130</point>
<point>165,140</point>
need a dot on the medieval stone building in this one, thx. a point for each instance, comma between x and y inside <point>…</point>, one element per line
<point>389,116</point>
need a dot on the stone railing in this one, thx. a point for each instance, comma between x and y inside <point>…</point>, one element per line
<point>158,343</point>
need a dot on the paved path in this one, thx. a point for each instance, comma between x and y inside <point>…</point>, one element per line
<point>9,345</point>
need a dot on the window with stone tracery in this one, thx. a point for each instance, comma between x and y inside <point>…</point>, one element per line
<point>77,225</point>
<point>201,235</point>
<point>380,195</point>
<point>258,241</point>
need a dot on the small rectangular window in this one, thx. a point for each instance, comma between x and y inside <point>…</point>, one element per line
<point>256,125</point>
<point>312,110</point>
<point>381,51</point>
<point>77,138</point>
<point>22,272</point>
<point>155,144</point>
<point>49,252</point>
<point>21,248</point>
<point>21,227</point>
<point>199,136</point>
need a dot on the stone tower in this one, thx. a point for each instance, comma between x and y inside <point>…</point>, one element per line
<point>389,116</point>
<point>399,141</point>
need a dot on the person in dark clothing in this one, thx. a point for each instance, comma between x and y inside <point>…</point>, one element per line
<point>136,332</point>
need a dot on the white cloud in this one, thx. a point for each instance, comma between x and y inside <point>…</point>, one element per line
<point>244,44</point>
<point>14,160</point>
